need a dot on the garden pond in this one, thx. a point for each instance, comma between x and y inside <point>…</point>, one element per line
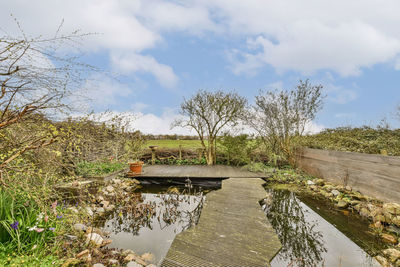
<point>313,232</point>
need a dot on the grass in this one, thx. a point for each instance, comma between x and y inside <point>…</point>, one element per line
<point>187,144</point>
<point>88,169</point>
<point>27,232</point>
<point>16,260</point>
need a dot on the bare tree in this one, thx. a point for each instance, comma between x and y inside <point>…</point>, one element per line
<point>35,79</point>
<point>280,115</point>
<point>208,113</point>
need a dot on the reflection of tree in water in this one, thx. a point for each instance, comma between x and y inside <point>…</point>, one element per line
<point>167,210</point>
<point>301,244</point>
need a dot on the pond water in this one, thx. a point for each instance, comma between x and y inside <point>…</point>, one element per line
<point>309,239</point>
<point>312,231</point>
<point>170,210</point>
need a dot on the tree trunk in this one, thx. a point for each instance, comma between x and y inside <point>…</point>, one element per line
<point>210,153</point>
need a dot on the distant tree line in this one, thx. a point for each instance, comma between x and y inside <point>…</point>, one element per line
<point>170,137</point>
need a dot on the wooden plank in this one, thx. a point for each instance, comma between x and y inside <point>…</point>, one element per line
<point>375,176</point>
<point>197,171</point>
<point>372,158</point>
<point>232,230</point>
<point>378,168</point>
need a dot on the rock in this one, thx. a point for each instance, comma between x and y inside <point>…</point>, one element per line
<point>314,187</point>
<point>71,237</point>
<point>141,262</point>
<point>377,225</point>
<point>89,211</point>
<point>73,209</point>
<point>354,202</point>
<point>82,253</point>
<point>98,265</point>
<point>392,253</point>
<point>114,252</point>
<point>110,208</point>
<point>319,182</point>
<point>133,264</point>
<point>71,262</point>
<point>100,210</point>
<point>389,239</point>
<point>113,261</point>
<point>348,188</point>
<point>392,208</point>
<point>335,192</point>
<point>148,257</point>
<point>94,238</point>
<point>106,242</point>
<point>127,252</point>
<point>328,187</point>
<point>364,212</point>
<point>110,188</point>
<point>396,221</point>
<point>104,203</point>
<point>131,257</point>
<point>80,227</point>
<point>309,182</point>
<point>326,194</point>
<point>342,204</point>
<point>116,181</point>
<point>382,261</point>
<point>371,207</point>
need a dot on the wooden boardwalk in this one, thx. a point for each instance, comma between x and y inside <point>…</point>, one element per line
<point>197,171</point>
<point>232,230</point>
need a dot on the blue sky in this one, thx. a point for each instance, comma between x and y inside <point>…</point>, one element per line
<point>161,51</point>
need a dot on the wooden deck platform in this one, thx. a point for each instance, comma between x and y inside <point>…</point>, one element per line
<point>197,171</point>
<point>232,230</point>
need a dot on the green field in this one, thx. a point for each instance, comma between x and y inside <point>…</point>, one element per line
<point>188,144</point>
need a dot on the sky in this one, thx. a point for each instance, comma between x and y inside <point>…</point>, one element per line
<point>158,52</point>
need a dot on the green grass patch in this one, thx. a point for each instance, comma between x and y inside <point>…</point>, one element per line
<point>12,259</point>
<point>88,169</point>
<point>187,144</point>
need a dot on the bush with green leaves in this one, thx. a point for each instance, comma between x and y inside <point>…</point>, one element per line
<point>87,169</point>
<point>363,140</point>
<point>236,150</point>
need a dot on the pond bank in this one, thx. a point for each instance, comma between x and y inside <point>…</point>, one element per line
<point>381,217</point>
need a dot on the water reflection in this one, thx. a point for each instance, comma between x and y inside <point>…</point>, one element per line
<point>308,239</point>
<point>152,223</point>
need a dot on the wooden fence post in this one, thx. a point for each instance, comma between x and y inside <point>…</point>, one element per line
<point>153,154</point>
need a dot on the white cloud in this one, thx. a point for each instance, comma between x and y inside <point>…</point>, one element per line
<point>339,95</point>
<point>132,62</point>
<point>305,36</point>
<point>310,35</point>
<point>313,128</point>
<point>312,46</point>
<point>139,106</point>
<point>100,92</point>
<point>147,123</point>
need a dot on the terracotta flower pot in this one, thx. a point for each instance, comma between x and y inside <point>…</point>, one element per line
<point>136,167</point>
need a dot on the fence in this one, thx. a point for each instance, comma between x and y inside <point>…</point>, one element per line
<point>374,175</point>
